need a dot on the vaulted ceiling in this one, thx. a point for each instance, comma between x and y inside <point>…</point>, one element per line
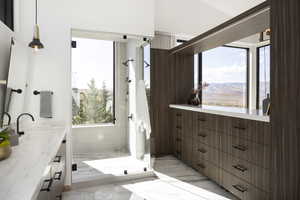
<point>192,17</point>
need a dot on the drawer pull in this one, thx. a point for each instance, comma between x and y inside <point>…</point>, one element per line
<point>178,127</point>
<point>240,168</point>
<point>57,175</point>
<point>239,147</point>
<point>201,166</point>
<point>49,184</point>
<point>239,128</point>
<point>57,159</point>
<point>58,197</point>
<point>240,188</point>
<point>202,135</point>
<point>201,119</point>
<point>178,115</point>
<point>202,150</point>
<point>178,139</point>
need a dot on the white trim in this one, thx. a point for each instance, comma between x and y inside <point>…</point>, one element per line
<point>94,125</point>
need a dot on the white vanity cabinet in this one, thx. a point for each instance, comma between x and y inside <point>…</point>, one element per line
<point>54,176</point>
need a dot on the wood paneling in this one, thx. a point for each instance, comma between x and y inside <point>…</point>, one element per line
<point>172,79</point>
<point>227,150</point>
<point>160,98</point>
<point>285,104</point>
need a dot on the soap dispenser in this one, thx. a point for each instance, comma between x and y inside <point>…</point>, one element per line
<point>265,104</point>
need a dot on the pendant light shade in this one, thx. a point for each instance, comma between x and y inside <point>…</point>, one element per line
<point>36,42</point>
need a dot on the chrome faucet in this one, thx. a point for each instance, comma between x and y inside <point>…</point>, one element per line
<point>18,119</point>
<point>8,116</point>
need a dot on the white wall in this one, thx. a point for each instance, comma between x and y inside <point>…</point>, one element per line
<point>193,17</point>
<point>51,67</point>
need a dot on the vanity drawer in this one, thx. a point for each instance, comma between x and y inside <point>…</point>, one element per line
<point>263,133</point>
<point>247,150</point>
<point>247,171</point>
<point>240,188</point>
<point>242,128</point>
<point>208,169</point>
<point>205,152</point>
<point>187,151</point>
<point>204,121</point>
<point>208,137</point>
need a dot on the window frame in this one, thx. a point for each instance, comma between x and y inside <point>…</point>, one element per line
<point>8,14</point>
<point>257,72</point>
<point>247,71</point>
<point>113,123</point>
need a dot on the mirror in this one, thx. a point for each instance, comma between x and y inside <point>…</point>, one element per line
<point>15,89</point>
<point>237,74</point>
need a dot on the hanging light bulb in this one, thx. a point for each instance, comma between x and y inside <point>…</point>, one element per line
<point>36,43</point>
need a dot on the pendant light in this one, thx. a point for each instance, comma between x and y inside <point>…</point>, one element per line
<point>36,44</point>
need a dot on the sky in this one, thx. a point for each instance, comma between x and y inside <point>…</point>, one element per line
<point>224,65</point>
<point>92,59</point>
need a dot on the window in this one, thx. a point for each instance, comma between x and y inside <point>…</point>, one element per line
<point>225,69</point>
<point>7,13</point>
<point>147,68</point>
<point>263,74</point>
<point>93,85</point>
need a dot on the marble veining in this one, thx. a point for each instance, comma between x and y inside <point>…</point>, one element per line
<point>174,181</point>
<point>22,172</point>
<point>225,111</point>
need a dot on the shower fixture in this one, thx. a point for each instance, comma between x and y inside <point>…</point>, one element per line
<point>127,62</point>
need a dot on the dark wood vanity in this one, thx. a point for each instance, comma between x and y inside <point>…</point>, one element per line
<point>233,152</point>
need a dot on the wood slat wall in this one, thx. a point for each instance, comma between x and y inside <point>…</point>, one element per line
<point>285,105</point>
<point>172,79</point>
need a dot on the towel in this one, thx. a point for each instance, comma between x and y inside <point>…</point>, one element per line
<point>46,104</point>
<point>143,116</point>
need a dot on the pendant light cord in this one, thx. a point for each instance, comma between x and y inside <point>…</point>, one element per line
<point>36,10</point>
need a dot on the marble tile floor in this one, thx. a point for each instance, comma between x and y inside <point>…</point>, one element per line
<point>97,166</point>
<point>174,181</point>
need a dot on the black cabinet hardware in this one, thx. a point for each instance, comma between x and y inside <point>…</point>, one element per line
<point>178,115</point>
<point>58,197</point>
<point>202,135</point>
<point>48,184</point>
<point>202,150</point>
<point>57,175</point>
<point>178,139</point>
<point>240,188</point>
<point>57,159</point>
<point>201,119</point>
<point>239,128</point>
<point>178,127</point>
<point>240,168</point>
<point>240,147</point>
<point>130,117</point>
<point>201,165</point>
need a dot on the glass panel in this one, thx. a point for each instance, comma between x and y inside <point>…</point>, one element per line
<point>196,71</point>
<point>225,70</point>
<point>264,74</point>
<point>92,81</point>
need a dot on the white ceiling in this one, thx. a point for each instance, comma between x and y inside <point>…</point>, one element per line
<point>193,17</point>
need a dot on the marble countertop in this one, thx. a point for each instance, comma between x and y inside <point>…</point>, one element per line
<point>22,172</point>
<point>226,111</point>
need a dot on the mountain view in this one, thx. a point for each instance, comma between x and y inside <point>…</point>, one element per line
<point>225,94</point>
